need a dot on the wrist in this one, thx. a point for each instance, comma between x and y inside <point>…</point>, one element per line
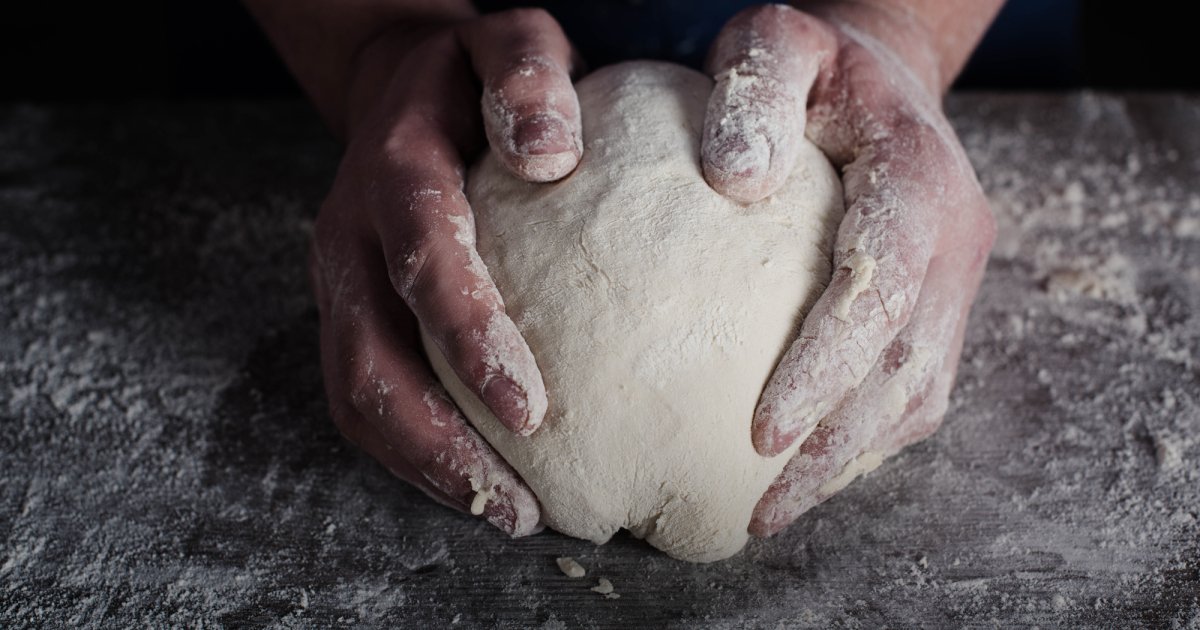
<point>902,33</point>
<point>374,66</point>
<point>321,40</point>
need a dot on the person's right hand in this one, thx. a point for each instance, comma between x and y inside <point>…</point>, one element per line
<point>872,367</point>
<point>394,248</point>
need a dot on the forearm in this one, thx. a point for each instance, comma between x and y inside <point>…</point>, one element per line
<point>934,36</point>
<point>319,40</point>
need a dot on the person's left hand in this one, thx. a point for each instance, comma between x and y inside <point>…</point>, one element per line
<point>875,360</point>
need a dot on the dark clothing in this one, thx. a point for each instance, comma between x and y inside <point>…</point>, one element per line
<point>607,31</point>
<point>1032,43</point>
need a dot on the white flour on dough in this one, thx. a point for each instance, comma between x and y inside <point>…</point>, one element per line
<point>656,310</point>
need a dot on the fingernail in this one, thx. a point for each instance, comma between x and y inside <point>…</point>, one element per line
<point>542,135</point>
<point>765,525</point>
<point>508,402</point>
<point>766,434</point>
<point>775,441</point>
<point>504,512</point>
<point>502,515</point>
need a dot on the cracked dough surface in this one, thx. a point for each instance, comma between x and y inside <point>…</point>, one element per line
<point>656,310</point>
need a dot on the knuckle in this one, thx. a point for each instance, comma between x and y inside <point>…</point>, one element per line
<point>407,158</point>
<point>903,275</point>
<point>431,225</point>
<point>431,463</point>
<point>460,344</point>
<point>425,197</point>
<point>736,36</point>
<point>409,263</point>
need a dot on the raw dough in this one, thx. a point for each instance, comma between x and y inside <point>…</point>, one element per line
<point>656,310</point>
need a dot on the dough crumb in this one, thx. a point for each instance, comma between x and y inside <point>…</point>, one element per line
<point>605,588</point>
<point>483,494</point>
<point>571,568</point>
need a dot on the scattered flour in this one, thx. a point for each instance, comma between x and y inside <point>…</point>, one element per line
<point>166,457</point>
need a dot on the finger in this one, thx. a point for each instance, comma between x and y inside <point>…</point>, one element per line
<point>924,414</point>
<point>835,453</point>
<point>364,436</point>
<point>902,400</point>
<point>412,162</point>
<point>348,421</point>
<point>492,503</point>
<point>375,358</point>
<point>530,110</point>
<point>904,189</point>
<point>764,62</point>
<point>428,236</point>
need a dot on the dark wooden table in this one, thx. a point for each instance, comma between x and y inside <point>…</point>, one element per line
<point>166,458</point>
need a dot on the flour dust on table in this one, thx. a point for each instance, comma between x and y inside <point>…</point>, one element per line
<point>656,310</point>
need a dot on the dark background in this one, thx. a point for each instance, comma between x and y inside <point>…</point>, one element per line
<point>73,50</point>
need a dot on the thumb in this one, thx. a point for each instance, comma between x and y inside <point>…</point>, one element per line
<point>764,62</point>
<point>530,110</point>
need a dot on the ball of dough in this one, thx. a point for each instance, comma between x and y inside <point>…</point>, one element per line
<point>656,310</point>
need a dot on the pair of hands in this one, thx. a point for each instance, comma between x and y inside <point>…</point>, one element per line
<point>394,249</point>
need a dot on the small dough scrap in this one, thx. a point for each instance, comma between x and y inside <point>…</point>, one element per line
<point>656,310</point>
<point>483,494</point>
<point>605,588</point>
<point>570,567</point>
